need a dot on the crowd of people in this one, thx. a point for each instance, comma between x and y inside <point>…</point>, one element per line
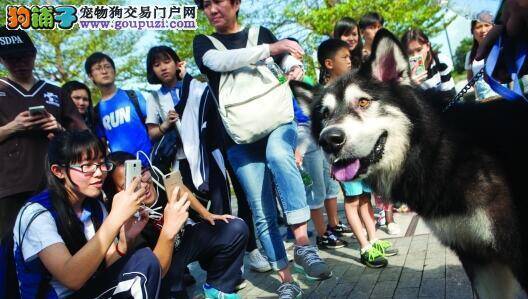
<point>65,207</point>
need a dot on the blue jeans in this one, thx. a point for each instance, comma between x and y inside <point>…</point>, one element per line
<point>254,164</point>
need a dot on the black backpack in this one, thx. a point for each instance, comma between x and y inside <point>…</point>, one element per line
<point>164,150</point>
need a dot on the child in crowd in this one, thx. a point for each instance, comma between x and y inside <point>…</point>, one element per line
<point>217,243</point>
<point>346,29</point>
<point>436,74</point>
<point>182,100</point>
<point>65,240</point>
<point>334,59</point>
<point>81,96</point>
<point>323,189</point>
<point>369,25</point>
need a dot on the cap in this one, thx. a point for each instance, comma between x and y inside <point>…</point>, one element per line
<point>484,16</point>
<point>15,41</point>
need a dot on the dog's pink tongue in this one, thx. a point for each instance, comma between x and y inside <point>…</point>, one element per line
<point>345,173</point>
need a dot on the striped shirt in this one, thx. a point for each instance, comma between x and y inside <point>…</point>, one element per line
<point>439,75</point>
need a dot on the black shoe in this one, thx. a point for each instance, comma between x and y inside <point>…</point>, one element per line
<point>341,230</point>
<point>329,241</point>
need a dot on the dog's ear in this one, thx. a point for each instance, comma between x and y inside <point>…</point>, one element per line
<point>388,61</point>
<point>304,93</point>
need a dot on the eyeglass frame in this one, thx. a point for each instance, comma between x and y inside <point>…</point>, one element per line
<point>79,167</point>
<point>101,67</point>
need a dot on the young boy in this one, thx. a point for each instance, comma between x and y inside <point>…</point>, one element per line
<point>369,25</point>
<point>334,58</point>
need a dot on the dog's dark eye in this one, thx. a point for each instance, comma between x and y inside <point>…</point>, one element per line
<point>363,103</point>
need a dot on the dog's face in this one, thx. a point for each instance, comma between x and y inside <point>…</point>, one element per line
<point>359,120</point>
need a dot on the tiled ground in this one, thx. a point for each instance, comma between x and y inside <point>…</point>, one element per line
<point>423,269</point>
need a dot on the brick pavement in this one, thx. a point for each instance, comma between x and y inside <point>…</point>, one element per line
<point>423,269</point>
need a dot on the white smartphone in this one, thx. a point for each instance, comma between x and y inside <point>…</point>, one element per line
<point>171,181</point>
<point>37,110</point>
<point>132,170</point>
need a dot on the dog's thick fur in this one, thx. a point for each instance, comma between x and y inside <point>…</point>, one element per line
<point>462,171</point>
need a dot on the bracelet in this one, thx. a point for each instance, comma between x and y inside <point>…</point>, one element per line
<point>119,252</point>
<point>161,130</point>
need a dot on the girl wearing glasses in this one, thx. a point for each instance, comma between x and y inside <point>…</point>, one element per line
<point>65,240</point>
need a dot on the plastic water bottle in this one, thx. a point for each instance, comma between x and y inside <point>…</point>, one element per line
<point>306,178</point>
<point>275,70</point>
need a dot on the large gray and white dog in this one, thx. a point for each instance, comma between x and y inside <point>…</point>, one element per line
<point>462,170</point>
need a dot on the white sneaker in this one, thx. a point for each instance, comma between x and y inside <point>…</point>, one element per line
<point>257,262</point>
<point>393,229</point>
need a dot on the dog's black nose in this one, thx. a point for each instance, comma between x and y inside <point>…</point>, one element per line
<point>332,140</point>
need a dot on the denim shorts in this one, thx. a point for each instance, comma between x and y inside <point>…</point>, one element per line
<point>354,188</point>
<point>323,187</point>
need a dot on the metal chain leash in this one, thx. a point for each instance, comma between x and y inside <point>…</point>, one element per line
<point>464,90</point>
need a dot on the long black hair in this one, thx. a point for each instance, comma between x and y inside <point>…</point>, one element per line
<point>419,36</point>
<point>345,26</point>
<point>328,50</point>
<point>65,149</point>
<point>160,52</point>
<point>68,88</point>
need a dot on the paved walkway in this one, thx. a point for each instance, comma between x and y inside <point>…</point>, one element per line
<point>424,268</point>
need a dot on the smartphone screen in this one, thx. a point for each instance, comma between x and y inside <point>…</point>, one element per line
<point>132,170</point>
<point>171,181</point>
<point>417,65</point>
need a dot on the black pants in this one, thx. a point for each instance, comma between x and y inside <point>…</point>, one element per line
<point>220,251</point>
<point>138,272</point>
<point>244,212</point>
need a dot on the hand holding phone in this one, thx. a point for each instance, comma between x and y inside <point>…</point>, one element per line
<point>171,181</point>
<point>132,170</point>
<point>37,111</point>
<point>417,65</point>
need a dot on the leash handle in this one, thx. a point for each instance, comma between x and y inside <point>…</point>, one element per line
<point>514,68</point>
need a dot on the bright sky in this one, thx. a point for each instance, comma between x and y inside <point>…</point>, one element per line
<point>460,27</point>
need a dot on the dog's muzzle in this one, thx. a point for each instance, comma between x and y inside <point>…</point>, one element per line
<point>332,140</point>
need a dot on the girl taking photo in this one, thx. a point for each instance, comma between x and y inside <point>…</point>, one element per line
<point>65,241</point>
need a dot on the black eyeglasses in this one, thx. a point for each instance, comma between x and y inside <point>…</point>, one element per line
<point>91,168</point>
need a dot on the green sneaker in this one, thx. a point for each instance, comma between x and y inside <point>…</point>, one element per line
<point>373,258</point>
<point>385,247</point>
<point>212,293</point>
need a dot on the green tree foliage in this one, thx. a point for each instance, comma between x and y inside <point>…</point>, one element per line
<point>460,54</point>
<point>320,16</point>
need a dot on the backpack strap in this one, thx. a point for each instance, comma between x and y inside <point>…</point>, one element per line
<point>156,98</point>
<point>216,43</point>
<point>253,35</point>
<point>97,117</point>
<point>134,99</point>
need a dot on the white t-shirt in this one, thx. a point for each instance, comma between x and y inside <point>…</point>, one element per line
<point>154,114</point>
<point>482,89</point>
<point>43,233</point>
